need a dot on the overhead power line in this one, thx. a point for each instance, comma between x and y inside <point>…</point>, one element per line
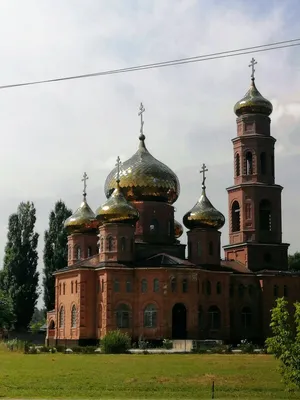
<point>180,61</point>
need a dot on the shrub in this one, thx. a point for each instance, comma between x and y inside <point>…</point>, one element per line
<point>167,344</point>
<point>246,347</point>
<point>61,349</point>
<point>15,345</point>
<point>115,342</point>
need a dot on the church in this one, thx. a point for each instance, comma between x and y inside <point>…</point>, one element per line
<point>128,270</point>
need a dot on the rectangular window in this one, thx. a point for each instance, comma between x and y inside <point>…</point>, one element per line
<point>116,285</point>
<point>128,286</point>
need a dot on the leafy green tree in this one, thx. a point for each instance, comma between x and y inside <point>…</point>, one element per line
<point>55,250</point>
<point>20,276</point>
<point>294,261</point>
<point>285,342</point>
<point>7,316</point>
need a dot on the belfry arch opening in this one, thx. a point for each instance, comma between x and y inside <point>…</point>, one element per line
<point>265,215</point>
<point>235,216</point>
<point>248,163</point>
<point>237,164</point>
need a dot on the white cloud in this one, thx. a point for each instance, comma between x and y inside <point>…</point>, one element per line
<point>52,133</point>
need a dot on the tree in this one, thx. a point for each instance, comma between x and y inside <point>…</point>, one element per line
<point>285,342</point>
<point>294,261</point>
<point>20,277</point>
<point>7,316</point>
<point>55,250</point>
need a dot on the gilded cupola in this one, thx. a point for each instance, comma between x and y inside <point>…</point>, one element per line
<point>143,177</point>
<point>203,215</point>
<point>117,209</point>
<point>178,229</point>
<point>83,220</point>
<point>253,102</point>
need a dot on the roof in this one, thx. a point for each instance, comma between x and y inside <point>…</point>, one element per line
<point>164,259</point>
<point>236,267</point>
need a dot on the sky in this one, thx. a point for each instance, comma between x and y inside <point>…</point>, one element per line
<point>53,133</point>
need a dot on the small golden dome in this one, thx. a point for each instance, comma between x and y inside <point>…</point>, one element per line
<point>117,209</point>
<point>178,229</point>
<point>203,215</point>
<point>143,177</point>
<point>83,220</point>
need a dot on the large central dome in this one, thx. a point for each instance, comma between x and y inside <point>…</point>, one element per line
<point>144,178</point>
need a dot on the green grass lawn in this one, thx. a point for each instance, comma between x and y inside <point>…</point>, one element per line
<point>185,376</point>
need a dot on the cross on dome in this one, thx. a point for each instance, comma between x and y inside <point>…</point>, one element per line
<point>118,165</point>
<point>84,179</point>
<point>202,171</point>
<point>252,63</point>
<point>140,114</point>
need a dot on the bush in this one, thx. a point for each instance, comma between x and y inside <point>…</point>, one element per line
<point>115,342</point>
<point>167,344</point>
<point>246,347</point>
<point>15,345</point>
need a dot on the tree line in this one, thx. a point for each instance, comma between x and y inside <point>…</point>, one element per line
<point>19,277</point>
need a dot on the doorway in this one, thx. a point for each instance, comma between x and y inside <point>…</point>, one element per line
<point>179,321</point>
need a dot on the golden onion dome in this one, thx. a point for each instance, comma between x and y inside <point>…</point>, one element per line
<point>117,209</point>
<point>83,220</point>
<point>253,102</point>
<point>178,229</point>
<point>143,177</point>
<point>204,215</point>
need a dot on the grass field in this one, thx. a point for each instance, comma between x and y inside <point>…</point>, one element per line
<point>185,376</point>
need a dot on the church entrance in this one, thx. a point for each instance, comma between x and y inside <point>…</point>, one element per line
<point>179,321</point>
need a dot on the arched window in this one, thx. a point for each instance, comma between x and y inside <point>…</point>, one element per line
<point>123,244</point>
<point>64,288</point>
<point>51,325</point>
<point>237,165</point>
<point>265,215</point>
<point>200,318</point>
<point>211,248</point>
<point>144,286</point>
<point>214,318</point>
<point>155,285</point>
<point>184,286</point>
<point>150,316</point>
<point>219,288</point>
<point>208,287</point>
<point>249,163</point>
<point>72,287</point>
<point>61,317</point>
<point>173,285</point>
<point>60,288</point>
<point>246,318</point>
<point>263,163</point>
<point>273,166</point>
<point>89,251</point>
<point>241,290</point>
<point>76,286</point>
<point>199,248</point>
<point>267,258</point>
<point>250,290</point>
<point>73,317</point>
<point>110,243</point>
<point>154,226</point>
<point>78,253</point>
<point>128,286</point>
<point>276,290</point>
<point>101,244</point>
<point>116,285</point>
<point>285,291</point>
<point>235,217</point>
<point>123,316</point>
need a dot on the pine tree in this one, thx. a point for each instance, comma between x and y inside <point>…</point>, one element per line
<point>20,277</point>
<point>55,250</point>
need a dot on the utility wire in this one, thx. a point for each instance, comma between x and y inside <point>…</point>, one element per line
<point>180,61</point>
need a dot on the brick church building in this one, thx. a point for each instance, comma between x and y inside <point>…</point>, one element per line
<point>128,270</point>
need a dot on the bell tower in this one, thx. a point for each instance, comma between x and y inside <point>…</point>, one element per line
<point>255,231</point>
